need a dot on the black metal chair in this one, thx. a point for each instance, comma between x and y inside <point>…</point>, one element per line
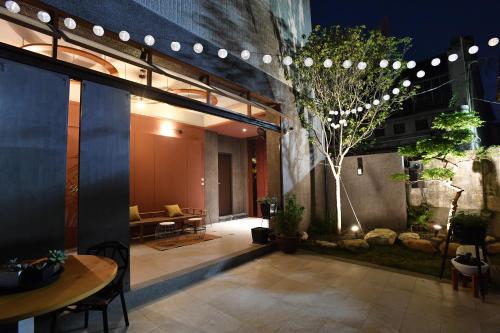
<point>100,300</point>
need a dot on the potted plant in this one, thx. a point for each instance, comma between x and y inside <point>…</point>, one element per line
<point>288,220</point>
<point>467,264</point>
<point>468,228</point>
<point>260,235</point>
<point>268,206</point>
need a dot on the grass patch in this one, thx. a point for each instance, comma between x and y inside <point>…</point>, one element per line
<point>395,256</point>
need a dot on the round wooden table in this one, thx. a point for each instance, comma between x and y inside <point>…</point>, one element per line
<point>83,276</point>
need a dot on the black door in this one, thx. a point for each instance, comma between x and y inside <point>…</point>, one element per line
<point>225,185</point>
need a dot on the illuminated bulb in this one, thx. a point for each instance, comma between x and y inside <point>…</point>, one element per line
<point>267,59</point>
<point>222,53</point>
<point>411,64</point>
<point>435,62</point>
<point>12,7</point>
<point>406,83</point>
<point>244,130</point>
<point>396,64</point>
<point>360,109</point>
<point>384,63</point>
<point>308,62</point>
<point>124,36</point>
<point>175,46</point>
<point>342,113</point>
<point>245,54</point>
<point>335,113</point>
<point>395,91</point>
<point>328,63</point>
<point>420,74</point>
<point>140,104</point>
<point>473,49</point>
<point>347,64</point>
<point>149,40</point>
<point>43,16</point>
<point>329,119</point>
<point>376,102</point>
<point>361,65</point>
<point>287,61</point>
<point>98,30</point>
<point>493,41</point>
<point>437,227</point>
<point>197,48</point>
<point>354,228</point>
<point>347,112</point>
<point>452,57</point>
<point>386,97</point>
<point>368,106</point>
<point>69,23</point>
<point>331,112</point>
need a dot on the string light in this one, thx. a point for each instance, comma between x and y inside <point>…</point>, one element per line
<point>473,49</point>
<point>493,41</point>
<point>406,83</point>
<point>287,61</point>
<point>435,62</point>
<point>396,65</point>
<point>43,16</point>
<point>347,64</point>
<point>362,65</point>
<point>411,64</point>
<point>308,62</point>
<point>98,30</point>
<point>383,63</point>
<point>69,23</point>
<point>149,40</point>
<point>331,112</point>
<point>376,102</point>
<point>245,54</point>
<point>12,7</point>
<point>124,36</point>
<point>395,91</point>
<point>420,74</point>
<point>175,46</point>
<point>360,109</point>
<point>452,57</point>
<point>198,48</point>
<point>386,97</point>
<point>368,106</point>
<point>328,63</point>
<point>267,59</point>
<point>222,53</point>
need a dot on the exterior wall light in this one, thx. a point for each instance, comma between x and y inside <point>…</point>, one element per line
<point>360,166</point>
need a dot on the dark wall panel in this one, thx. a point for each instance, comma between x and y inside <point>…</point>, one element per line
<point>33,125</point>
<point>104,165</point>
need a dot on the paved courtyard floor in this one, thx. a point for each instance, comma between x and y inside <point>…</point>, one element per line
<point>310,293</point>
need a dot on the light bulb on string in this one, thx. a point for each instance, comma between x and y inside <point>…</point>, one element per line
<point>383,63</point>
<point>308,62</point>
<point>267,59</point>
<point>420,74</point>
<point>406,83</point>
<point>245,54</point>
<point>347,64</point>
<point>328,63</point>
<point>69,23</point>
<point>493,41</point>
<point>473,49</point>
<point>435,62</point>
<point>175,46</point>
<point>98,30</point>
<point>222,53</point>
<point>396,64</point>
<point>43,16</point>
<point>411,64</point>
<point>12,7</point>
<point>287,61</point>
<point>198,48</point>
<point>452,57</point>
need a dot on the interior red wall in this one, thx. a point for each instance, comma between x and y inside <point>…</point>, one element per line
<point>166,167</point>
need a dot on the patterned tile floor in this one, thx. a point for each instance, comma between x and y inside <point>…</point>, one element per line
<point>309,293</point>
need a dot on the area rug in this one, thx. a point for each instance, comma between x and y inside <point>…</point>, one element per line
<point>182,240</point>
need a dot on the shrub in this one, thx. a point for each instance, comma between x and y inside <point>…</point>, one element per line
<point>289,217</point>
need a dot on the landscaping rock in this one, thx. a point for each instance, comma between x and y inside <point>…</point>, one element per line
<point>422,245</point>
<point>326,243</point>
<point>381,236</point>
<point>493,248</point>
<point>408,235</point>
<point>452,248</point>
<point>489,239</point>
<point>463,249</point>
<point>354,245</point>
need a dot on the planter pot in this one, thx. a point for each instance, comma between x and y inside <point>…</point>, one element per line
<point>260,235</point>
<point>9,280</point>
<point>464,235</point>
<point>469,270</point>
<point>267,210</point>
<point>288,244</point>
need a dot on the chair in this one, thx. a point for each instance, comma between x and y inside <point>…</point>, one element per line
<point>100,300</point>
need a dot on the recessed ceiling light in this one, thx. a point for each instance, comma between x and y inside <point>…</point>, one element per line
<point>244,130</point>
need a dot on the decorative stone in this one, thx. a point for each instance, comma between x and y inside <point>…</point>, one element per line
<point>452,248</point>
<point>422,245</point>
<point>489,239</point>
<point>354,245</point>
<point>493,248</point>
<point>326,244</point>
<point>464,249</point>
<point>408,235</point>
<point>304,236</point>
<point>381,236</point>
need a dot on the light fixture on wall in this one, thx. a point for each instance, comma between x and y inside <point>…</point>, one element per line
<point>360,166</point>
<point>168,129</point>
<point>244,130</point>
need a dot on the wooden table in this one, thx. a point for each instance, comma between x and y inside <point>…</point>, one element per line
<point>83,276</point>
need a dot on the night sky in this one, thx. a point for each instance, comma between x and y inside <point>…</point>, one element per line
<point>431,25</point>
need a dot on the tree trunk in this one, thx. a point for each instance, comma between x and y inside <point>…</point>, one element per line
<point>338,204</point>
<point>454,204</point>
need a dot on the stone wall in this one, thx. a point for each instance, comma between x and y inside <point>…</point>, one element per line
<point>481,190</point>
